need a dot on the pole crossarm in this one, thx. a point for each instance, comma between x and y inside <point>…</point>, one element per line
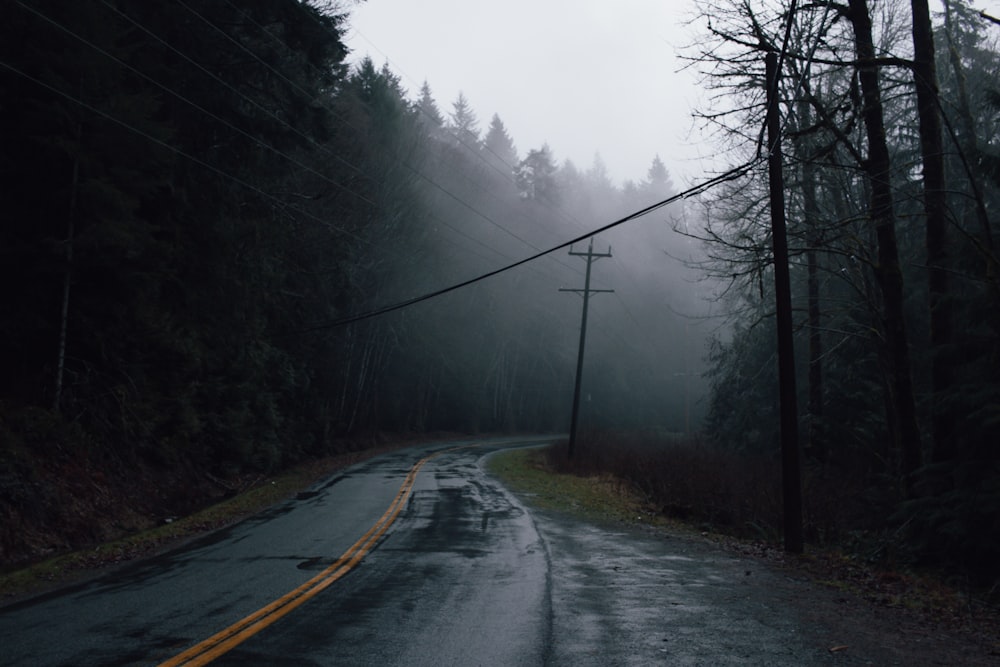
<point>590,252</point>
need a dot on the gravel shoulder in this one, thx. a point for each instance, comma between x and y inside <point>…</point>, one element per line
<point>648,594</point>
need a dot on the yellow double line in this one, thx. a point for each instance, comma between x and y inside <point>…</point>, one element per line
<point>237,633</point>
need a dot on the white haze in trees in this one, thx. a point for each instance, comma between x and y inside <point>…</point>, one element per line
<point>532,146</point>
<point>517,333</point>
<point>583,77</point>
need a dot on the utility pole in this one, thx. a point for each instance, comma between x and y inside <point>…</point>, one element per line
<point>791,483</point>
<point>591,257</point>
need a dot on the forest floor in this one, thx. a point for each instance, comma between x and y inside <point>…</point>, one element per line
<point>917,612</point>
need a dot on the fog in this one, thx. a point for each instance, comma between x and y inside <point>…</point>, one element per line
<point>586,77</point>
<point>501,354</point>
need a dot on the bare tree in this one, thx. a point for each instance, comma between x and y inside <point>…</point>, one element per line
<point>878,169</point>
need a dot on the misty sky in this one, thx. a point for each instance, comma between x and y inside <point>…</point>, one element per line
<point>582,75</point>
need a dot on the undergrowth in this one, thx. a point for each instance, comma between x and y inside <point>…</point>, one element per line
<point>690,479</point>
<point>847,522</point>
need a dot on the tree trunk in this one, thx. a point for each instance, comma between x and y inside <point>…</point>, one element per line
<point>967,145</point>
<point>790,463</point>
<point>67,283</point>
<point>888,272</point>
<point>939,302</point>
<point>815,446</point>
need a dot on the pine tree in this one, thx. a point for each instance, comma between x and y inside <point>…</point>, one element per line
<point>536,176</point>
<point>464,123</point>
<point>657,182</point>
<point>499,147</point>
<point>430,115</point>
<point>597,176</point>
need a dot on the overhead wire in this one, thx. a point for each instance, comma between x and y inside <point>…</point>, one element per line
<point>193,104</point>
<point>559,211</point>
<point>248,99</point>
<point>205,164</point>
<point>174,149</point>
<point>473,150</point>
<point>405,164</point>
<point>233,89</point>
<point>729,175</point>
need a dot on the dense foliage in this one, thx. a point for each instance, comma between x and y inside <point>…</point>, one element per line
<point>196,196</point>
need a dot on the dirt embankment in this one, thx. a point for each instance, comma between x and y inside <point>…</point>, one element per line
<point>66,502</point>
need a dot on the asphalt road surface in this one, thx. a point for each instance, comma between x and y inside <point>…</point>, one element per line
<point>410,560</point>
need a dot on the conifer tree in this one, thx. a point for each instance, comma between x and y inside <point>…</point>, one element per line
<point>430,115</point>
<point>499,147</point>
<point>464,123</point>
<point>536,176</point>
<point>657,182</point>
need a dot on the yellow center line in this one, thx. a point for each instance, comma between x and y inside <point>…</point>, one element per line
<point>237,633</point>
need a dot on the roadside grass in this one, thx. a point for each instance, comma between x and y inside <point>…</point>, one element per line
<point>596,497</point>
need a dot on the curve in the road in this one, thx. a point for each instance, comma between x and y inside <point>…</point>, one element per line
<point>208,650</point>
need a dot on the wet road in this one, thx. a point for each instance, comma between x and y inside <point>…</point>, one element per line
<point>464,575</point>
<point>459,575</point>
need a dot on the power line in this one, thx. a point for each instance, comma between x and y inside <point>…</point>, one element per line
<point>409,167</point>
<point>199,161</point>
<point>727,176</point>
<point>406,165</point>
<point>730,175</point>
<point>195,105</point>
<point>416,172</point>
<point>238,92</point>
<point>263,144</point>
<point>174,149</point>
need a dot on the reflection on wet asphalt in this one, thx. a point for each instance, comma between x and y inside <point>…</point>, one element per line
<point>625,597</point>
<point>461,580</point>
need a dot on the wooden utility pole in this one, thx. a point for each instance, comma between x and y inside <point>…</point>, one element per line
<point>791,484</point>
<point>591,257</point>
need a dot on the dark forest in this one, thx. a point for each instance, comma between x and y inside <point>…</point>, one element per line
<point>199,197</point>
<point>210,216</point>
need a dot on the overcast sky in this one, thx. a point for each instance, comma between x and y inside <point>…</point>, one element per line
<point>585,76</point>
